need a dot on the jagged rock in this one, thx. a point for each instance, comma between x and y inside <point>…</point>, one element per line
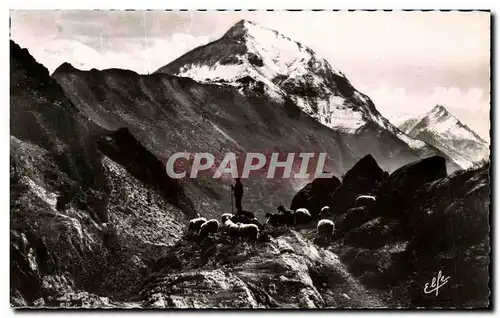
<point>363,178</point>
<point>450,226</point>
<point>374,234</point>
<point>315,195</point>
<point>353,218</point>
<point>84,299</point>
<point>395,195</point>
<point>202,289</point>
<point>122,147</point>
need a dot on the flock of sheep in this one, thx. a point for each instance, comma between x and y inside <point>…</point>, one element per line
<point>202,227</point>
<point>245,226</point>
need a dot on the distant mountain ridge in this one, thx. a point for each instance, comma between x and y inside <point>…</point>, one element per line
<point>441,129</point>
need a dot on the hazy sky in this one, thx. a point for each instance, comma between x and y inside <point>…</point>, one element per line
<point>407,62</point>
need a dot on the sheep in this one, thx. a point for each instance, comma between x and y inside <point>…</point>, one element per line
<point>325,211</point>
<point>245,219</point>
<point>253,221</point>
<point>325,228</point>
<point>250,231</point>
<point>364,200</point>
<point>302,216</point>
<point>280,219</point>
<point>226,216</point>
<point>238,218</point>
<point>283,210</point>
<point>210,226</point>
<point>249,215</point>
<point>238,230</point>
<point>231,227</point>
<point>195,224</point>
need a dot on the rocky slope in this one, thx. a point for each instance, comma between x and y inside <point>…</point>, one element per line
<point>444,131</point>
<point>87,210</point>
<point>286,271</point>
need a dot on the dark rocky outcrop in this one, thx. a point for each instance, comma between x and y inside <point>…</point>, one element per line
<point>57,183</point>
<point>443,226</point>
<point>42,115</point>
<point>396,193</point>
<point>353,218</point>
<point>363,178</point>
<point>315,195</point>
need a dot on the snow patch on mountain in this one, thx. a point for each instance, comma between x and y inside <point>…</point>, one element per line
<point>414,143</point>
<point>210,73</point>
<point>277,61</point>
<point>332,113</point>
<point>283,56</point>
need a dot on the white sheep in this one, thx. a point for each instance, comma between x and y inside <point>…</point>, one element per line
<point>195,224</point>
<point>230,224</point>
<point>302,216</point>
<point>210,226</point>
<point>365,200</point>
<point>249,231</point>
<point>239,230</point>
<point>324,211</point>
<point>325,228</point>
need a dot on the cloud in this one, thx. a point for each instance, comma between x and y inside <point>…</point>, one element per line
<point>158,52</point>
<point>132,55</point>
<point>393,101</point>
<point>470,106</point>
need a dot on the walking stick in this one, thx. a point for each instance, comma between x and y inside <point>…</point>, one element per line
<point>232,212</point>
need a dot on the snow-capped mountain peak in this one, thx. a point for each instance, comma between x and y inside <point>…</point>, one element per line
<point>257,59</point>
<point>444,122</point>
<point>439,112</point>
<point>440,128</point>
<point>279,54</point>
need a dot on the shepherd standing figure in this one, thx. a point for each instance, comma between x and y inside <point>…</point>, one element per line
<point>237,190</point>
